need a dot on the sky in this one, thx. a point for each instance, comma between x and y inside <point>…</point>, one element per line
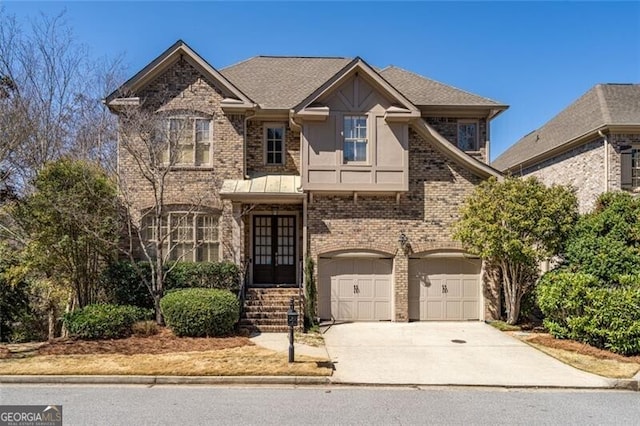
<point>536,57</point>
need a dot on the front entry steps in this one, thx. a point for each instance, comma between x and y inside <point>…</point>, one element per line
<point>265,309</point>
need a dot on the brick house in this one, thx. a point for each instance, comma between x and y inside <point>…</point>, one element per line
<point>361,168</point>
<point>593,145</point>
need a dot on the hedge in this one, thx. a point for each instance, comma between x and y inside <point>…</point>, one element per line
<point>199,312</point>
<point>104,321</point>
<point>123,285</point>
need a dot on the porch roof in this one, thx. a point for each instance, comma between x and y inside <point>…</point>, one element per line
<point>263,188</point>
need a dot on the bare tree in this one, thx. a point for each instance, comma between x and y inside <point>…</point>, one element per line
<point>50,92</point>
<point>150,147</point>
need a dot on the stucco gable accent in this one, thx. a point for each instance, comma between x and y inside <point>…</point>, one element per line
<point>450,150</point>
<point>235,98</point>
<point>358,65</point>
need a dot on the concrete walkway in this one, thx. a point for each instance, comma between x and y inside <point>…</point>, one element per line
<point>445,353</point>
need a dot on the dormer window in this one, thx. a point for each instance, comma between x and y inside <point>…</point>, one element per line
<point>354,131</point>
<point>468,135</point>
<point>188,142</point>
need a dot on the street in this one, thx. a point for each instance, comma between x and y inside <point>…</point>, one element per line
<point>208,405</point>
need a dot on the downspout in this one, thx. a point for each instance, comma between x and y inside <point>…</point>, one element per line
<point>487,139</point>
<point>606,160</point>
<point>244,144</point>
<point>298,128</point>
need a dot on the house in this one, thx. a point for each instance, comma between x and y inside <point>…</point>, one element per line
<point>593,145</point>
<point>362,169</point>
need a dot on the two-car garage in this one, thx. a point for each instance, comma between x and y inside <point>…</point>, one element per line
<point>352,288</point>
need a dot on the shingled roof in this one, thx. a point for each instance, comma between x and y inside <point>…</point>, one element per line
<point>277,82</point>
<point>603,105</point>
<point>424,91</point>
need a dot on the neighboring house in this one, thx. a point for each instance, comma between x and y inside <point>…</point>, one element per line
<point>363,169</point>
<point>593,145</point>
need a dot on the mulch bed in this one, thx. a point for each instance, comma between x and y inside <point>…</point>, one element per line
<point>163,342</point>
<point>579,347</point>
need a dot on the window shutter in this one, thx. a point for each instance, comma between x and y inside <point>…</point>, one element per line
<point>625,169</point>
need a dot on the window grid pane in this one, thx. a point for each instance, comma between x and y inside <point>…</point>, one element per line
<point>467,136</point>
<point>635,168</point>
<point>275,145</point>
<point>355,138</point>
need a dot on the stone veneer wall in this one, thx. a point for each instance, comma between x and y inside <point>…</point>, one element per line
<point>437,188</point>
<point>256,149</point>
<point>182,88</point>
<point>448,128</point>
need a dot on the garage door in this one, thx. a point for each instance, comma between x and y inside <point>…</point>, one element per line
<point>355,289</point>
<point>444,289</point>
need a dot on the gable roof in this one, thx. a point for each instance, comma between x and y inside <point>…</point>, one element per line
<point>604,105</point>
<point>264,78</point>
<point>169,57</point>
<point>358,64</point>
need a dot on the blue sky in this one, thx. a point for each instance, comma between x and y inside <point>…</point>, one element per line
<point>537,57</point>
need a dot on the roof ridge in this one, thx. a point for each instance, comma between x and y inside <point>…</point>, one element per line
<point>602,102</point>
<point>441,83</point>
<point>303,57</point>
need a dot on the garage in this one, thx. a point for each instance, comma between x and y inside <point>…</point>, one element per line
<point>355,289</point>
<point>444,289</point>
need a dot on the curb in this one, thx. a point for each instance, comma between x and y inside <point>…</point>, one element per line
<point>614,384</point>
<point>168,380</point>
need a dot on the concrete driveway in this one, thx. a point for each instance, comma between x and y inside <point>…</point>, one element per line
<point>444,353</point>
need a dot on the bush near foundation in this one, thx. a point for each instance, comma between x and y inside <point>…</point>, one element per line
<point>200,312</point>
<point>124,282</point>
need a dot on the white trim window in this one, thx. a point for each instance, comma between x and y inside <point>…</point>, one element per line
<point>274,143</point>
<point>193,236</point>
<point>189,141</point>
<point>354,131</point>
<point>468,135</point>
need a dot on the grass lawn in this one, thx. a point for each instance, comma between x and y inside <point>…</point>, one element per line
<point>162,354</point>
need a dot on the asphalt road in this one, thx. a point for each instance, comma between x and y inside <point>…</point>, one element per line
<point>206,405</point>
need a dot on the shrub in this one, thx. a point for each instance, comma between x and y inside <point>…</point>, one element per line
<point>220,275</point>
<point>200,312</point>
<point>123,283</point>
<point>578,306</point>
<point>104,321</point>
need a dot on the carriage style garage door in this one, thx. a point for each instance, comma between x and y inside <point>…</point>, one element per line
<point>355,289</point>
<point>444,289</point>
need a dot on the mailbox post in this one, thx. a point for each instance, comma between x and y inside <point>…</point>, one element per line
<point>292,321</point>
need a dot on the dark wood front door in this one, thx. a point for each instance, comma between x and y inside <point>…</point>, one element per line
<point>274,249</point>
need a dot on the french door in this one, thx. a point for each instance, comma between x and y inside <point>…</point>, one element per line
<point>274,249</point>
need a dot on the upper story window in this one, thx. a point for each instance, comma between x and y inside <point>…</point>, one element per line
<point>274,143</point>
<point>189,142</point>
<point>185,236</point>
<point>635,168</point>
<point>468,135</point>
<point>354,131</point>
